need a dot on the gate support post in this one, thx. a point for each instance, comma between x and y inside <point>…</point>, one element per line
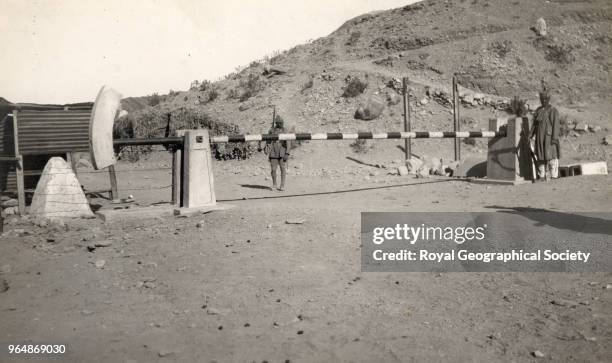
<point>508,158</point>
<point>197,173</point>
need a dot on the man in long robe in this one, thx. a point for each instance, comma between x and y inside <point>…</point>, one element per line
<point>545,130</point>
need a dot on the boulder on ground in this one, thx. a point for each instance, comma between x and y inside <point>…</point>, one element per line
<point>581,127</point>
<point>607,140</point>
<point>372,109</point>
<point>393,98</point>
<point>540,27</point>
<point>413,164</point>
<point>58,193</point>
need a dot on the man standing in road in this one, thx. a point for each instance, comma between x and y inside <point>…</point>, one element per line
<point>545,129</point>
<point>278,153</point>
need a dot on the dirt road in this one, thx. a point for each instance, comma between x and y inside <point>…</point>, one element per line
<point>241,285</point>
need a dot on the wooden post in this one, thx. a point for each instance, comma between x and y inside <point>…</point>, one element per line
<point>18,167</point>
<point>20,185</point>
<point>177,171</point>
<point>176,175</point>
<point>113,182</point>
<point>456,118</point>
<point>407,127</point>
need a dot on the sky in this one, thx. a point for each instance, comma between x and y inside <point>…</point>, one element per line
<point>64,51</point>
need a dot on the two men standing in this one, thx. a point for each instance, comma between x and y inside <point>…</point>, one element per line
<point>545,130</point>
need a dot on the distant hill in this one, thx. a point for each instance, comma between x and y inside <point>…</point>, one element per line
<point>489,45</point>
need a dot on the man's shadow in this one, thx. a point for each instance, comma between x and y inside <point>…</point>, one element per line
<point>255,186</point>
<point>560,220</point>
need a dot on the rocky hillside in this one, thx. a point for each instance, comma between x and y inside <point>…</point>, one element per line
<point>491,46</point>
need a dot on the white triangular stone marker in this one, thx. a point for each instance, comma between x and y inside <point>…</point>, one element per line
<point>58,193</point>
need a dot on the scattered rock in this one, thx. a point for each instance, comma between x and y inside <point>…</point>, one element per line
<point>423,172</point>
<point>244,106</point>
<point>83,163</point>
<point>200,224</point>
<point>106,243</point>
<point>100,263</point>
<point>607,140</point>
<point>564,302</point>
<point>540,27</point>
<point>213,311</point>
<point>402,170</point>
<point>86,312</point>
<point>581,127</point>
<point>10,203</point>
<point>149,284</point>
<point>594,128</point>
<point>164,353</point>
<point>393,98</point>
<point>413,164</point>
<point>537,354</point>
<point>424,101</point>
<point>295,221</point>
<point>4,285</point>
<point>371,110</point>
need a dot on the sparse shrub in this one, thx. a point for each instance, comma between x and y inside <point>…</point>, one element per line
<point>468,121</point>
<point>154,99</point>
<point>560,54</point>
<point>354,88</point>
<point>353,39</point>
<point>387,62</point>
<point>469,141</point>
<point>501,47</point>
<point>251,86</point>
<point>360,146</point>
<point>204,85</point>
<point>213,94</point>
<point>518,107</point>
<point>194,86</point>
<point>233,94</point>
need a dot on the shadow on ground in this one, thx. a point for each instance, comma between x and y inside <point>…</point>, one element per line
<point>561,220</point>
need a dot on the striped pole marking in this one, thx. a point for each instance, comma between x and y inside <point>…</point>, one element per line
<point>359,135</point>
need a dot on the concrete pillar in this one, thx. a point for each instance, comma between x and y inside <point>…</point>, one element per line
<point>197,176</point>
<point>509,158</point>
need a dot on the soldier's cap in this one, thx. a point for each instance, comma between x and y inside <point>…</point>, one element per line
<point>278,121</point>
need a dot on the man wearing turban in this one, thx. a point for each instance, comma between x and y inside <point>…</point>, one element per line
<point>545,130</point>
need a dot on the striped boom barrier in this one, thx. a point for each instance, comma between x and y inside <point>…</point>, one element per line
<point>359,135</point>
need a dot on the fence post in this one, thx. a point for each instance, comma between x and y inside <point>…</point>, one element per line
<point>20,185</point>
<point>113,182</point>
<point>176,176</point>
<point>407,142</point>
<point>456,118</point>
